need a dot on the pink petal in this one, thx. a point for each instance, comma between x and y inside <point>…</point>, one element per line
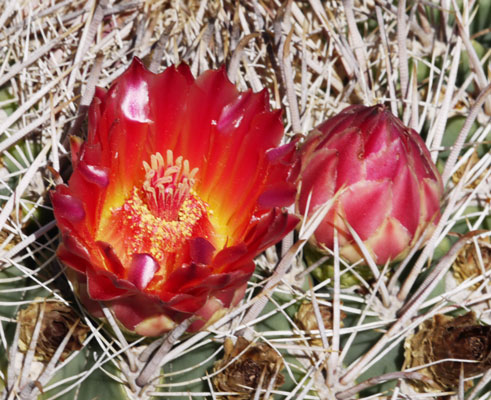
<point>67,206</point>
<point>406,199</point>
<point>366,205</point>
<point>142,270</point>
<point>94,174</point>
<point>390,242</point>
<point>318,178</point>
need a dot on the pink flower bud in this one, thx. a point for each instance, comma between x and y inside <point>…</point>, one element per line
<point>388,188</point>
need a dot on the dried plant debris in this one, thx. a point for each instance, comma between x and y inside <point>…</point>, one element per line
<point>57,320</point>
<point>444,337</point>
<point>306,320</point>
<point>471,261</point>
<point>8,240</point>
<point>245,366</point>
<point>470,167</point>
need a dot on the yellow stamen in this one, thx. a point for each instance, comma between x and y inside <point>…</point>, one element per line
<point>163,214</point>
<point>167,184</point>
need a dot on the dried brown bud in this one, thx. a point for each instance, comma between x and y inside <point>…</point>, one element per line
<point>8,241</point>
<point>467,264</point>
<point>307,321</point>
<point>471,162</point>
<point>244,374</point>
<point>445,337</point>
<point>57,321</point>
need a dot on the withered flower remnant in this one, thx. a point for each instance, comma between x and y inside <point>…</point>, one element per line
<point>57,320</point>
<point>306,320</point>
<point>444,337</point>
<point>469,264</point>
<point>179,185</point>
<point>389,189</point>
<point>256,363</point>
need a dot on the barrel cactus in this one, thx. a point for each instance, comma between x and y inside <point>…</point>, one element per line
<point>160,199</point>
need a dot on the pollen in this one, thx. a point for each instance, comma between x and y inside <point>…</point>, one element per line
<point>164,213</point>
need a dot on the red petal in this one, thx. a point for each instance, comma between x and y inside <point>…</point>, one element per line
<point>72,260</point>
<point>94,174</point>
<point>197,140</point>
<point>201,250</point>
<point>67,207</point>
<point>270,229</point>
<point>185,303</point>
<point>75,146</point>
<point>406,199</point>
<point>229,256</point>
<point>376,134</point>
<point>350,150</point>
<point>101,287</point>
<point>280,196</point>
<point>338,123</point>
<point>205,313</point>
<point>386,163</point>
<point>112,260</point>
<point>131,311</point>
<point>231,297</point>
<point>391,242</point>
<point>186,277</point>
<point>236,188</point>
<point>170,92</point>
<point>75,245</point>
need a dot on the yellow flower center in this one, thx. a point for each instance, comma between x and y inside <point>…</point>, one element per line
<point>164,213</point>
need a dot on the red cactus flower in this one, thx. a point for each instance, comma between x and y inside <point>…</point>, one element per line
<point>176,189</point>
<point>389,190</point>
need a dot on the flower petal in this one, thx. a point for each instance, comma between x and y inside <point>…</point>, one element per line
<point>68,207</point>
<point>94,174</point>
<point>112,260</point>
<point>101,287</point>
<point>201,250</point>
<point>142,270</point>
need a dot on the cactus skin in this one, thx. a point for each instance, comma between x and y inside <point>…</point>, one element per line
<point>390,188</point>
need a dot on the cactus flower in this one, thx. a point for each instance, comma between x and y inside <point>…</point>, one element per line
<point>388,188</point>
<point>177,188</point>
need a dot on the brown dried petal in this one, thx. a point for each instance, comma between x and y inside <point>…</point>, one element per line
<point>467,264</point>
<point>445,337</point>
<point>457,176</point>
<point>57,321</point>
<point>307,321</point>
<point>12,241</point>
<point>244,374</point>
